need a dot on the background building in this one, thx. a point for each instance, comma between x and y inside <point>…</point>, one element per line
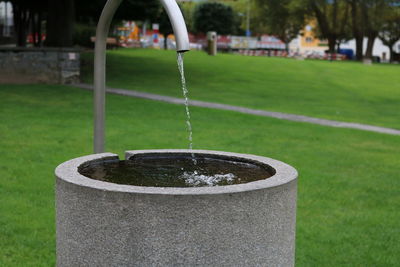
<point>6,19</point>
<point>307,44</point>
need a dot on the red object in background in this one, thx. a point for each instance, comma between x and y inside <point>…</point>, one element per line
<point>223,41</point>
<point>155,33</point>
<point>30,39</point>
<point>155,38</point>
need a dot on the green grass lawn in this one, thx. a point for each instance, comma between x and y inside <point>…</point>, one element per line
<point>348,202</point>
<point>345,91</point>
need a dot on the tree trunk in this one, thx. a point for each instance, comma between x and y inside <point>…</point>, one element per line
<point>359,47</point>
<point>60,23</point>
<point>21,22</point>
<point>165,41</point>
<point>357,29</point>
<point>39,27</point>
<point>24,30</point>
<point>17,22</point>
<point>391,52</point>
<point>332,44</point>
<point>389,43</point>
<point>370,45</point>
<point>34,29</point>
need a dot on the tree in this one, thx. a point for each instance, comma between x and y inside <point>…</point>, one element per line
<point>165,27</point>
<point>332,17</point>
<point>373,12</point>
<point>62,14</point>
<point>88,13</point>
<point>60,23</point>
<point>214,17</point>
<point>283,18</point>
<point>390,32</point>
<point>21,21</point>
<point>357,27</point>
<point>28,17</point>
<point>245,13</point>
<point>138,10</point>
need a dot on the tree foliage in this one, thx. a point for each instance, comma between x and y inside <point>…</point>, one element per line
<point>373,13</point>
<point>212,16</point>
<point>282,18</point>
<point>187,9</point>
<point>60,23</point>
<point>357,26</point>
<point>333,18</point>
<point>89,11</point>
<point>138,10</point>
<point>61,15</point>
<point>165,27</point>
<point>390,31</point>
<point>28,17</point>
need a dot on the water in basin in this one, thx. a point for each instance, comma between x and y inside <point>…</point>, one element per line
<point>176,171</point>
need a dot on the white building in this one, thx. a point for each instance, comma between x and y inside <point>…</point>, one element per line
<point>6,19</point>
<point>308,44</point>
<point>380,50</point>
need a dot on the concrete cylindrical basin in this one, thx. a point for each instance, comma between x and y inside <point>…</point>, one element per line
<point>107,224</point>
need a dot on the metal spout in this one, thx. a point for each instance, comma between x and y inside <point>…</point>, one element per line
<point>178,25</point>
<point>103,26</point>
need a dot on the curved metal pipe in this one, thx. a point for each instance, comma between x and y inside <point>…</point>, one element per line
<point>103,26</point>
<point>102,30</point>
<point>178,25</point>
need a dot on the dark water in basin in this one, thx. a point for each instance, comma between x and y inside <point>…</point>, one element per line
<point>175,171</point>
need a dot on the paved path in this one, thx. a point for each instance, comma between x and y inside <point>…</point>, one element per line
<point>278,115</point>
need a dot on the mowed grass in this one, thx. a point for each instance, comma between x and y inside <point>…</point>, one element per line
<point>344,91</point>
<point>348,201</point>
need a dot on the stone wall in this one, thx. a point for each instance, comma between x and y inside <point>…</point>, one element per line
<point>39,65</point>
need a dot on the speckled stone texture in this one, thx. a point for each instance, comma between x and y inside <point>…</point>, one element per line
<point>39,65</point>
<point>105,224</point>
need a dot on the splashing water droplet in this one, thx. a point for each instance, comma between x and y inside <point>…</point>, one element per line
<point>185,95</point>
<point>195,178</point>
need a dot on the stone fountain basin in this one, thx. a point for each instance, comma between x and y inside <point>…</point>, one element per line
<point>108,224</point>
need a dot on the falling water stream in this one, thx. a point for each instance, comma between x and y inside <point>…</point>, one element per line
<point>185,95</point>
<point>197,175</point>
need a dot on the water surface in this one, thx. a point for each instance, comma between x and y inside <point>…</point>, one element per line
<point>176,171</point>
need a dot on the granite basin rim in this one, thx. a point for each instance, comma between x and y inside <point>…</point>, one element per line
<point>68,172</point>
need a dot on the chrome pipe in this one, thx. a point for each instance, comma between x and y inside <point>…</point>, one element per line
<point>178,25</point>
<point>102,30</point>
<point>103,27</point>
